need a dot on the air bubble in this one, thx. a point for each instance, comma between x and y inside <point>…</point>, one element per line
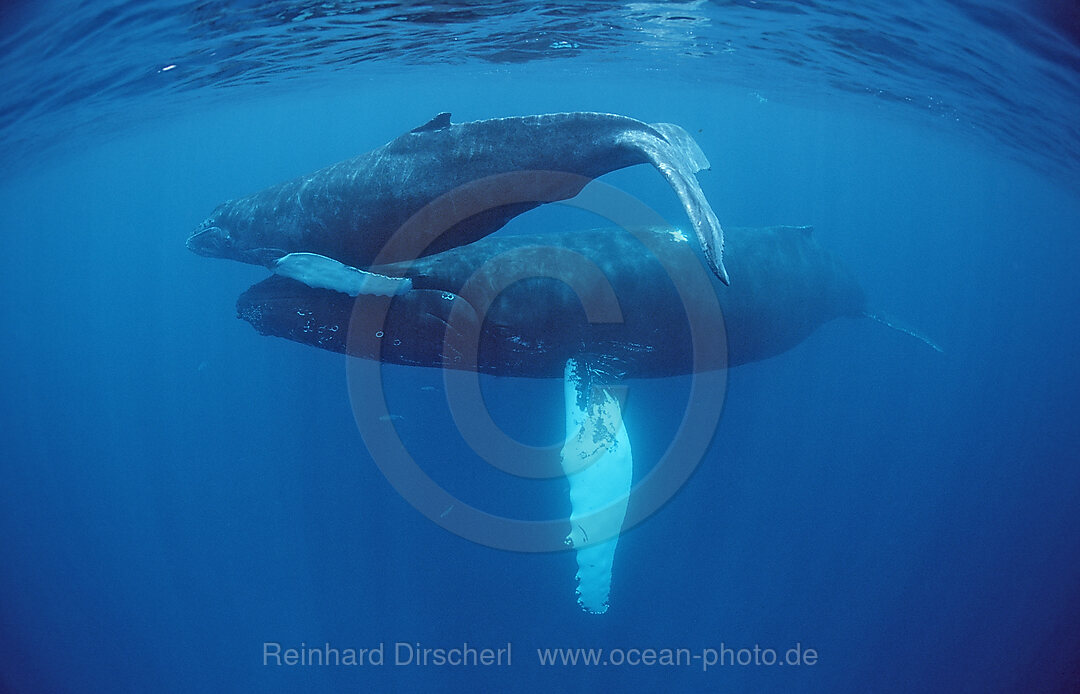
<point>448,296</point>
<point>379,333</point>
<point>397,343</point>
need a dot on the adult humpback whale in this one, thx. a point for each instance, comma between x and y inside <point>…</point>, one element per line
<point>589,307</point>
<point>468,179</point>
<point>530,321</point>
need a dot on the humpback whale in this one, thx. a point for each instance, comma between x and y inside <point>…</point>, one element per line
<point>480,174</point>
<point>389,257</point>
<point>788,286</point>
<point>590,307</point>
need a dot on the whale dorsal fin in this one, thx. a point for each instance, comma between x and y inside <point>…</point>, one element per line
<point>437,123</point>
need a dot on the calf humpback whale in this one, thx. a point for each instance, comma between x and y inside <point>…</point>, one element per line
<point>529,321</point>
<point>444,185</point>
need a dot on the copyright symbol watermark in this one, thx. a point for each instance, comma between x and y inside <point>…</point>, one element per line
<point>462,354</point>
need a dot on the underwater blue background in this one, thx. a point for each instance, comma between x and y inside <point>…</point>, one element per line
<point>176,490</point>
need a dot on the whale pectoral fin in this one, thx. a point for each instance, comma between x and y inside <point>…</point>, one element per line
<point>598,464</point>
<point>685,143</point>
<point>321,272</point>
<point>437,123</point>
<point>890,322</point>
<point>677,161</point>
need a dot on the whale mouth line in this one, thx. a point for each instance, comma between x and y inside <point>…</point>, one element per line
<point>212,241</point>
<point>206,241</point>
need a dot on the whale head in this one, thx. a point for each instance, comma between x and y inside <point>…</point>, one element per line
<point>219,237</point>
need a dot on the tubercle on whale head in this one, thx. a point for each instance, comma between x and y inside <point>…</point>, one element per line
<point>211,241</point>
<point>217,237</point>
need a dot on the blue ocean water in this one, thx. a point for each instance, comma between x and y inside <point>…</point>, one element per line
<point>177,491</point>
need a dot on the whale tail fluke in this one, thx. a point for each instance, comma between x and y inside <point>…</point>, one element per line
<point>890,322</point>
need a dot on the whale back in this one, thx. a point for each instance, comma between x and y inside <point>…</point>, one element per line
<point>443,185</point>
<point>530,325</point>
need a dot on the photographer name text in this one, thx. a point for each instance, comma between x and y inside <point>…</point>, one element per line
<point>399,654</point>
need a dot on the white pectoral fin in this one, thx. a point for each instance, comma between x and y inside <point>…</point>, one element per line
<point>598,464</point>
<point>321,272</point>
